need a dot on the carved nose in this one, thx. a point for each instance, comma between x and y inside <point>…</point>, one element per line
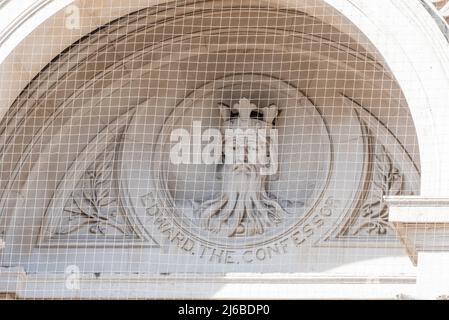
<point>241,167</point>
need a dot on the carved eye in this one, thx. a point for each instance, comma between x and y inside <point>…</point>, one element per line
<point>234,114</point>
<point>256,115</point>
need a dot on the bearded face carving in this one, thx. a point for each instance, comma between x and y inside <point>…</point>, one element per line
<point>244,208</point>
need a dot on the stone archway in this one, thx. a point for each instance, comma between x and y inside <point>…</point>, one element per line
<point>93,118</point>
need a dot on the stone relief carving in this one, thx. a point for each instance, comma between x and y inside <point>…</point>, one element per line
<point>386,180</point>
<point>383,178</point>
<point>208,208</point>
<point>240,206</point>
<point>244,207</point>
<point>93,207</point>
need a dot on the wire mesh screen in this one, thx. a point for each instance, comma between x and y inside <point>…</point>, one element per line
<point>193,140</point>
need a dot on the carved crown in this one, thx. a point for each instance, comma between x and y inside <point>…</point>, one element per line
<point>247,112</point>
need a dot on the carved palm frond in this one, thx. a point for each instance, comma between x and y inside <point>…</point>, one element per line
<point>94,203</point>
<point>387,180</point>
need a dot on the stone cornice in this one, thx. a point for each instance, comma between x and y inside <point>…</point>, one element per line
<point>15,283</point>
<point>422,223</point>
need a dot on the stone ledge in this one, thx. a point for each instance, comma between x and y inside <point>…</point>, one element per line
<point>11,280</point>
<point>235,286</point>
<point>421,222</point>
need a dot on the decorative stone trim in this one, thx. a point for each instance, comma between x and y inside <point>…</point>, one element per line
<point>18,285</point>
<point>422,223</point>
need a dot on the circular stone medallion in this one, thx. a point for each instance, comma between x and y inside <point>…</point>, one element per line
<point>200,206</point>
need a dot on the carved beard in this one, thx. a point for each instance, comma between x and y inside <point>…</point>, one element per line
<point>244,207</point>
